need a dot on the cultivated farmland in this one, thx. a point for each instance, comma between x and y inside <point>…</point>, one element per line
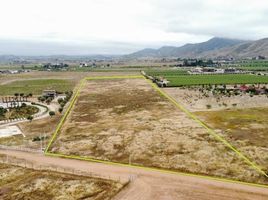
<point>127,121</point>
<point>35,86</point>
<point>215,79</point>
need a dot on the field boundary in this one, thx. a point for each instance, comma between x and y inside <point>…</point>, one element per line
<point>173,101</point>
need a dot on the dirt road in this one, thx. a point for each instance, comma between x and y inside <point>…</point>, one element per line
<point>152,184</point>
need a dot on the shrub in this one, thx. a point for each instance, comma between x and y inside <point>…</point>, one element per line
<point>51,113</point>
<point>30,118</point>
<point>60,110</point>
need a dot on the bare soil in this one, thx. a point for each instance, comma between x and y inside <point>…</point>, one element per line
<point>127,121</point>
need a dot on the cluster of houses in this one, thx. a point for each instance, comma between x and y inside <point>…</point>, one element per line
<point>13,71</point>
<point>50,66</point>
<point>253,89</point>
<point>209,70</point>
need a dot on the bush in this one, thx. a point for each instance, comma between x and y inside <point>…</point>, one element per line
<point>60,100</point>
<point>51,113</point>
<point>23,105</point>
<point>60,110</point>
<point>30,118</point>
<point>209,106</point>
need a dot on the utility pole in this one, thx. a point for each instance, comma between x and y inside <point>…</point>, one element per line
<point>41,141</point>
<point>129,159</point>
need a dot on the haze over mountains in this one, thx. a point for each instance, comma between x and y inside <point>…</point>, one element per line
<point>213,48</point>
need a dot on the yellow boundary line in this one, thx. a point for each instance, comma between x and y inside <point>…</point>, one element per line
<point>74,99</point>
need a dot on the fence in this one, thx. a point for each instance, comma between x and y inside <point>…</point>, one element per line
<point>11,160</point>
<point>18,148</point>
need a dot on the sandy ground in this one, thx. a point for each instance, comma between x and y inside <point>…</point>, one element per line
<point>194,100</point>
<point>127,121</point>
<point>148,185</point>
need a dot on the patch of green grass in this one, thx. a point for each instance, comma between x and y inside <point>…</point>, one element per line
<point>216,79</point>
<point>35,86</point>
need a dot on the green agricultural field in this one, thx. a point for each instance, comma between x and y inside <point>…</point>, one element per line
<point>35,86</point>
<point>215,79</point>
<point>255,65</point>
<point>166,73</point>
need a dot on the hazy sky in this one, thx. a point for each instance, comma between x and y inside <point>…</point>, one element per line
<point>123,26</point>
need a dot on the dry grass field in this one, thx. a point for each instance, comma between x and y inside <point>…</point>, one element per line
<point>22,183</point>
<point>247,129</point>
<point>241,119</point>
<point>127,121</point>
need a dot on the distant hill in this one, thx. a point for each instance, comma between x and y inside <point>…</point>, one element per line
<point>189,50</point>
<point>243,50</point>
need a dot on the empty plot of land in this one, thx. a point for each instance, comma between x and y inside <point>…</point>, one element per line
<point>21,183</point>
<point>127,121</point>
<point>247,129</point>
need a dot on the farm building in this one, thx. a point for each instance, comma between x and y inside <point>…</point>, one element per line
<point>49,93</point>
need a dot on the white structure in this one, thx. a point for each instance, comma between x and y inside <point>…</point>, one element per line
<point>9,131</point>
<point>197,70</point>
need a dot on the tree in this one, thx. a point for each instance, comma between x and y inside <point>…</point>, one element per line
<point>21,94</point>
<point>42,99</point>
<point>60,110</point>
<point>30,118</point>
<point>51,113</point>
<point>2,111</point>
<point>48,101</point>
<point>23,105</point>
<point>60,100</point>
<point>16,94</point>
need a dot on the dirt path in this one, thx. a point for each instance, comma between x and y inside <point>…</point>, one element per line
<point>155,185</point>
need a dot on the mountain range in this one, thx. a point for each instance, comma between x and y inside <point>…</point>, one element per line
<point>213,48</point>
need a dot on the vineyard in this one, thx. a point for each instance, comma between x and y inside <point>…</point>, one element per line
<point>216,79</point>
<point>180,78</point>
<point>254,65</point>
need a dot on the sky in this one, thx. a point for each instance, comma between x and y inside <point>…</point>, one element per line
<point>124,26</point>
